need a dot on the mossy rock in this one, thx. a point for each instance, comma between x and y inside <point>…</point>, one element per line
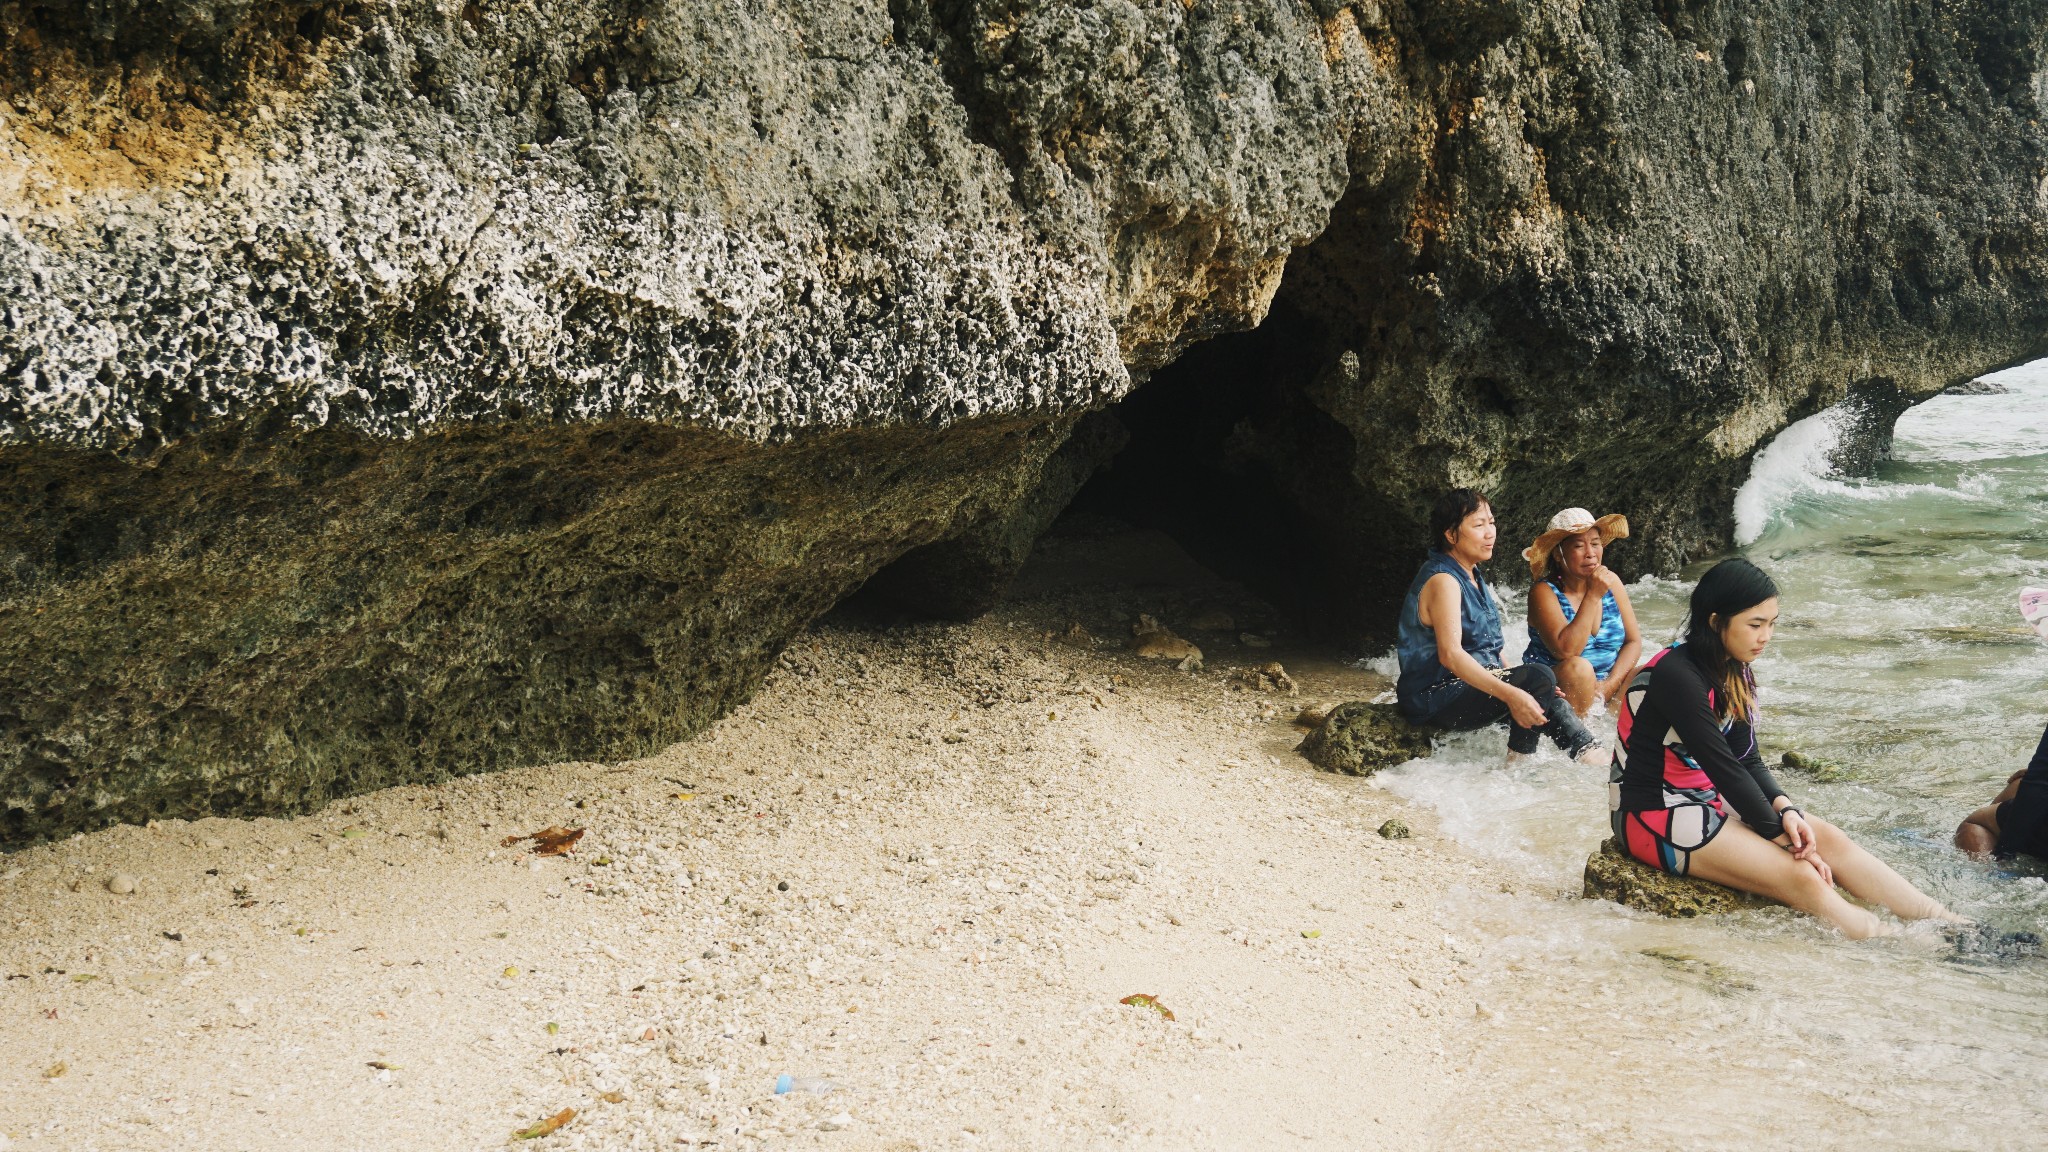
<point>1359,739</point>
<point>1613,876</point>
<point>1817,768</point>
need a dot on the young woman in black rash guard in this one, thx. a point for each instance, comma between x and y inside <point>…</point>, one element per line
<point>1692,795</point>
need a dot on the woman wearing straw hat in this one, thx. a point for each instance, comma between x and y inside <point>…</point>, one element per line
<point>1581,624</point>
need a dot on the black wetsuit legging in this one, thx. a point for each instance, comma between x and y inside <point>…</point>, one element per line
<point>1458,706</point>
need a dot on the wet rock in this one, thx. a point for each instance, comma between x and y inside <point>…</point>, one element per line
<point>1715,979</point>
<point>1978,387</point>
<point>1864,423</point>
<point>1312,715</point>
<point>1612,876</point>
<point>1819,768</point>
<point>1359,739</point>
<point>1394,829</point>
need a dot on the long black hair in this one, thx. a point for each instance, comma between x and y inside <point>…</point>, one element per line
<point>1729,589</point>
<point>1450,511</point>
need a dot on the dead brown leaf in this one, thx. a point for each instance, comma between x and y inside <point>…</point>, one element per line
<point>547,1127</point>
<point>549,841</point>
<point>1147,1000</point>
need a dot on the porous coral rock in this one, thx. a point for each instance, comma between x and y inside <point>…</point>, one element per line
<point>1359,739</point>
<point>1613,876</point>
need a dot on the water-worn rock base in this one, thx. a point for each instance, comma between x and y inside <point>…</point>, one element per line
<point>256,623</point>
<point>1612,876</point>
<point>1359,739</point>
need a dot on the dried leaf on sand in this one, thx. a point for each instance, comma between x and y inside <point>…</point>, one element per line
<point>1145,1000</point>
<point>549,841</point>
<point>547,1127</point>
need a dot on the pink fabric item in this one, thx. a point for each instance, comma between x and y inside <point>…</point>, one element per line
<point>2034,609</point>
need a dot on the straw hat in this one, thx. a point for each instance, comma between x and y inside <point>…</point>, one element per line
<point>1571,522</point>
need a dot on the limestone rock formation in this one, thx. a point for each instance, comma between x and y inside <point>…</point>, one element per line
<point>1613,876</point>
<point>392,391</point>
<point>404,390</point>
<point>1597,254</point>
<point>1359,739</point>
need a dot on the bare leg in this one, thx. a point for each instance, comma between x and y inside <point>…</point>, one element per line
<point>1617,684</point>
<point>1576,680</point>
<point>1739,858</point>
<point>1976,839</point>
<point>1868,878</point>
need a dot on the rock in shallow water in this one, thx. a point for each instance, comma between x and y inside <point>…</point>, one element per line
<point>1612,876</point>
<point>1822,769</point>
<point>1359,739</point>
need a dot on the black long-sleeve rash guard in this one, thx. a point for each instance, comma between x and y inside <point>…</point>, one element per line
<point>1677,702</point>
<point>2023,820</point>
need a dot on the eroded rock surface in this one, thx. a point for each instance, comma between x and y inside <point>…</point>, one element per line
<point>400,390</point>
<point>1596,254</point>
<point>1359,739</point>
<point>1613,876</point>
<point>396,391</point>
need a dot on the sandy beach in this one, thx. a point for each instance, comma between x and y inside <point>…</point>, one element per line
<point>926,864</point>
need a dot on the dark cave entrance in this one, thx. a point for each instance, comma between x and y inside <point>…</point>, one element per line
<point>1220,441</point>
<point>1223,452</point>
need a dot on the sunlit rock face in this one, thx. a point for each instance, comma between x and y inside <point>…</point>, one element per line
<point>400,390</point>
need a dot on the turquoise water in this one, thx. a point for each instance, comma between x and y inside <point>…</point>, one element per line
<point>1902,655</point>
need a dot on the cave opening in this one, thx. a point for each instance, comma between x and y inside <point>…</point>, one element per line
<point>1218,444</point>
<point>1226,455</point>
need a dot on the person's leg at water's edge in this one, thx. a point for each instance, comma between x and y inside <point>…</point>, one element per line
<point>1579,683</point>
<point>1563,726</point>
<point>1739,858</point>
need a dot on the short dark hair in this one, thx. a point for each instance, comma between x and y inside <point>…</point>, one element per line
<point>1451,509</point>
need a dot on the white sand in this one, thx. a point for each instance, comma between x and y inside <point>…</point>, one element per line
<point>1020,833</point>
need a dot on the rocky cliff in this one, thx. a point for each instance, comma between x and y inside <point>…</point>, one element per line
<point>405,389</point>
<point>1597,254</point>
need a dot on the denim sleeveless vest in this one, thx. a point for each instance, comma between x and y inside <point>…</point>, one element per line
<point>1477,614</point>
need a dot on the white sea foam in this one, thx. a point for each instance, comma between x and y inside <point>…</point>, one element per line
<point>1794,468</point>
<point>1898,655</point>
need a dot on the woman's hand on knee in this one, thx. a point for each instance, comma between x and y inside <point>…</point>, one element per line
<point>1820,868</point>
<point>1798,835</point>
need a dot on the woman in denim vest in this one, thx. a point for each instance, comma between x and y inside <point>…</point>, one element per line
<point>1450,642</point>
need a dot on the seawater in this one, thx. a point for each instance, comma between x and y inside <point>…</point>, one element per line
<point>1900,654</point>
